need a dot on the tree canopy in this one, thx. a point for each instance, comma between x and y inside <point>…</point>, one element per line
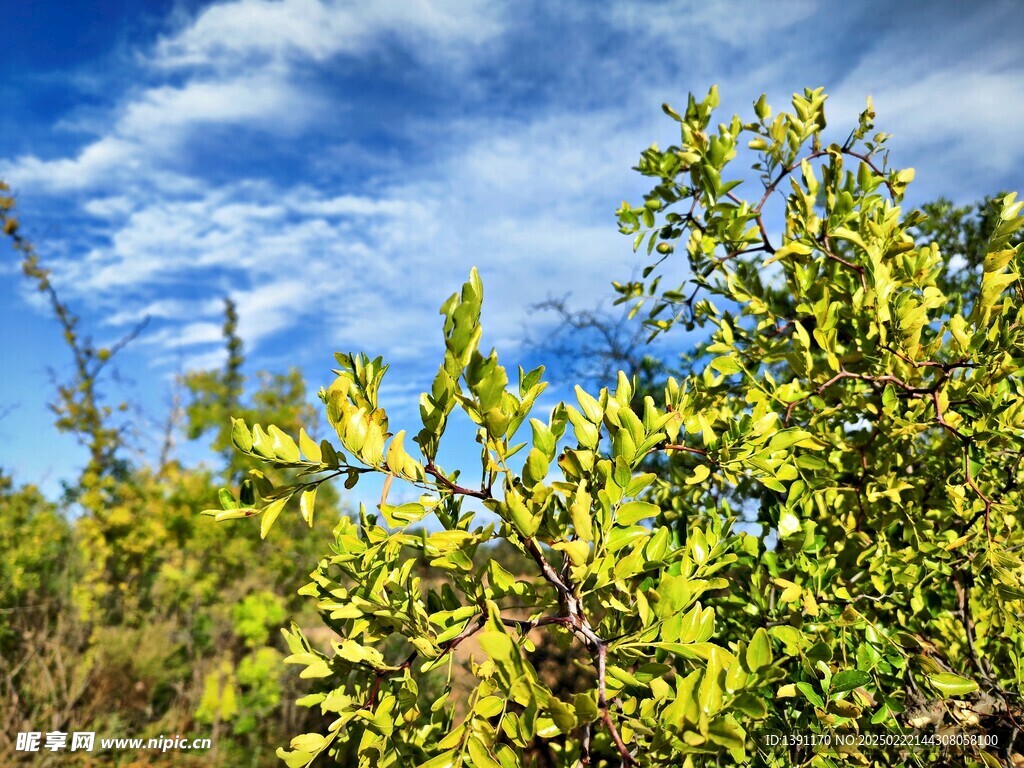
<point>831,549</point>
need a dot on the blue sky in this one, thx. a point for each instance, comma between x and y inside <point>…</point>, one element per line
<point>337,167</point>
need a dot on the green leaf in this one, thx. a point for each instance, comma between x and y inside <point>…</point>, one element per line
<point>581,513</point>
<point>404,514</point>
<point>229,514</point>
<point>310,448</point>
<point>261,444</point>
<point>283,445</point>
<point>519,515</point>
<point>591,408</point>
<point>498,646</point>
<point>308,742</point>
<point>787,438</point>
<point>701,472</point>
<point>950,685</point>
<point>728,733</point>
<point>445,760</point>
<point>307,502</point>
<point>227,499</point>
<point>479,755</point>
<point>240,436</point>
<point>578,551</point>
<point>489,706</point>
<point>751,705</point>
<point>849,679</point>
<point>726,365</point>
<point>710,693</point>
<point>563,716</point>
<point>762,109</point>
<point>811,694</point>
<point>759,651</point>
<point>789,523</point>
<point>586,707</point>
<point>635,511</point>
<point>270,514</point>
<point>501,580</point>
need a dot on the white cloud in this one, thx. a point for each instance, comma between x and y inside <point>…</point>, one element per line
<point>262,311</point>
<point>271,307</point>
<point>98,161</point>
<point>165,309</point>
<point>146,140</point>
<point>201,361</point>
<point>528,199</point>
<point>109,207</point>
<point>952,118</point>
<point>162,116</point>
<point>530,203</point>
<point>269,43</point>
<point>239,30</point>
<point>306,202</point>
<point>744,23</point>
<point>187,335</point>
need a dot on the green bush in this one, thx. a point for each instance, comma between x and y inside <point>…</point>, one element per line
<point>832,547</point>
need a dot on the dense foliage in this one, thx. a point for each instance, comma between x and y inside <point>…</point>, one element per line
<point>812,529</point>
<point>833,545</point>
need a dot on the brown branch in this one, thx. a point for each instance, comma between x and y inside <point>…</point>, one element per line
<point>740,252</point>
<point>940,419</point>
<point>120,344</point>
<point>525,625</point>
<point>874,380</point>
<point>534,550</point>
<point>871,164</point>
<point>772,186</point>
<point>760,225</point>
<point>627,758</point>
<point>838,377</point>
<point>680,447</point>
<point>858,268</point>
<point>987,510</point>
<point>451,486</point>
<point>474,626</point>
<point>602,702</point>
<point>945,367</point>
<point>585,744</point>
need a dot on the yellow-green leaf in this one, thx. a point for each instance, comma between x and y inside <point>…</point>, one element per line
<point>952,685</point>
<point>307,501</point>
<point>634,511</point>
<point>310,449</point>
<point>270,513</point>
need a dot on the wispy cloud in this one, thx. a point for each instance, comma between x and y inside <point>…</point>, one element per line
<point>246,31</point>
<point>953,105</point>
<point>745,24</point>
<point>245,63</point>
<point>353,239</point>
